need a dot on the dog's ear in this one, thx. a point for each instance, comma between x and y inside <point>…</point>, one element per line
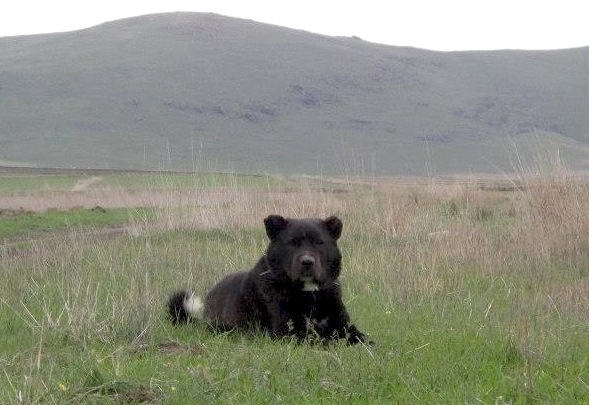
<point>274,225</point>
<point>334,225</point>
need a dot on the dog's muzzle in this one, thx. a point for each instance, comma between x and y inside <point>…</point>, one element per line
<point>307,266</point>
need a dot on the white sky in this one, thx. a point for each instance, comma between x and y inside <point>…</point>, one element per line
<point>430,24</point>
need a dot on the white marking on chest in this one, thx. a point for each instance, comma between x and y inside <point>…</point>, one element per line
<point>309,285</point>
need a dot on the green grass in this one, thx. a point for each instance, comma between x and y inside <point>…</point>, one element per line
<point>472,297</point>
<point>27,181</point>
<point>22,184</point>
<point>19,224</point>
<point>138,181</point>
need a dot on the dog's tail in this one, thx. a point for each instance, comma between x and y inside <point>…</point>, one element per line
<point>184,306</point>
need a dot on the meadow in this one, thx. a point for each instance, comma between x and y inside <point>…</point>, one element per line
<point>475,290</point>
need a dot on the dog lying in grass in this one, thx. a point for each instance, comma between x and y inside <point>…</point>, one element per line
<point>293,290</point>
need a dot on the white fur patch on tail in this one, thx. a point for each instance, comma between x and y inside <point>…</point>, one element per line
<point>193,305</point>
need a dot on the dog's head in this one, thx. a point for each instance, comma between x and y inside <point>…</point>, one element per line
<point>305,249</point>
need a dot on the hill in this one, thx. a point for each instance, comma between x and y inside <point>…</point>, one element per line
<point>191,91</point>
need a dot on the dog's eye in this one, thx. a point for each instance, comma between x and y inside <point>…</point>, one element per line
<point>318,242</point>
<point>294,242</point>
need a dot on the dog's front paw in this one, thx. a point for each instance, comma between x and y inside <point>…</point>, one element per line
<point>280,330</point>
<point>355,337</point>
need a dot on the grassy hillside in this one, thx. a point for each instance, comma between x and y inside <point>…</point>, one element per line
<point>474,293</point>
<point>190,91</point>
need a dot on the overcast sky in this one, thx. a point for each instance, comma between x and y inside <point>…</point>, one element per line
<point>431,24</point>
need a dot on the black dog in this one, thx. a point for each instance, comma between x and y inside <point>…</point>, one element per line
<point>292,290</point>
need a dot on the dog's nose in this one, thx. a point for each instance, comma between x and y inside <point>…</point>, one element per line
<point>307,261</point>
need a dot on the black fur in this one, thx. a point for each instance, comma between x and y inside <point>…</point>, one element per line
<point>292,290</point>
<point>178,314</point>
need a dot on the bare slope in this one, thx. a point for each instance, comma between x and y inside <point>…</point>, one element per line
<point>200,91</point>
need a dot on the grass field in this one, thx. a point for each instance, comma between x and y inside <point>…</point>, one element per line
<point>475,293</point>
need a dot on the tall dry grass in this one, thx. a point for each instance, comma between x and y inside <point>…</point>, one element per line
<point>417,235</point>
<point>424,237</point>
